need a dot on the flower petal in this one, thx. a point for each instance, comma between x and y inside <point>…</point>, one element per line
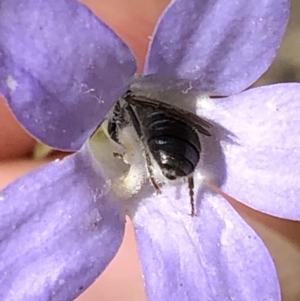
<point>260,129</point>
<point>58,231</point>
<point>222,46</point>
<point>214,256</point>
<point>61,68</point>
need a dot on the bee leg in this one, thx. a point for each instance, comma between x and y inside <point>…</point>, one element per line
<point>138,130</point>
<point>191,191</point>
<point>150,171</point>
<point>117,155</point>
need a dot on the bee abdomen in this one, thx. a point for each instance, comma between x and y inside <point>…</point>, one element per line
<point>176,157</point>
<point>158,124</point>
<point>174,145</point>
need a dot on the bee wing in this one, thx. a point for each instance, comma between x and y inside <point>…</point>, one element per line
<point>175,112</point>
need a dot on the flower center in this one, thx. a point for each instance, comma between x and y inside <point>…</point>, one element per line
<point>150,137</point>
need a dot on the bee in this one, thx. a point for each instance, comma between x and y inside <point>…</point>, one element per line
<point>169,137</point>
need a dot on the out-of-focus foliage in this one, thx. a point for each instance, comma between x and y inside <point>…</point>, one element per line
<point>286,67</point>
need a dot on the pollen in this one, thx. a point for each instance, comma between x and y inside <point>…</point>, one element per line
<point>131,182</point>
<point>11,83</point>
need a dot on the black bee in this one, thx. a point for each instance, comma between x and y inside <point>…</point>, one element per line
<point>169,135</point>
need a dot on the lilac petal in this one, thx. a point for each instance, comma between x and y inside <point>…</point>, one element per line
<point>221,46</point>
<point>58,231</point>
<point>214,256</point>
<point>260,129</point>
<point>61,68</point>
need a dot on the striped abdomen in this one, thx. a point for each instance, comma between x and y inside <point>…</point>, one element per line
<point>173,143</point>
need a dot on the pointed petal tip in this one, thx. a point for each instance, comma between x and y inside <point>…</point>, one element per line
<point>219,46</point>
<point>68,227</point>
<point>60,88</point>
<point>259,164</point>
<point>198,258</point>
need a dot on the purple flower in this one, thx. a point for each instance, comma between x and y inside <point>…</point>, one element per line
<point>61,71</point>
